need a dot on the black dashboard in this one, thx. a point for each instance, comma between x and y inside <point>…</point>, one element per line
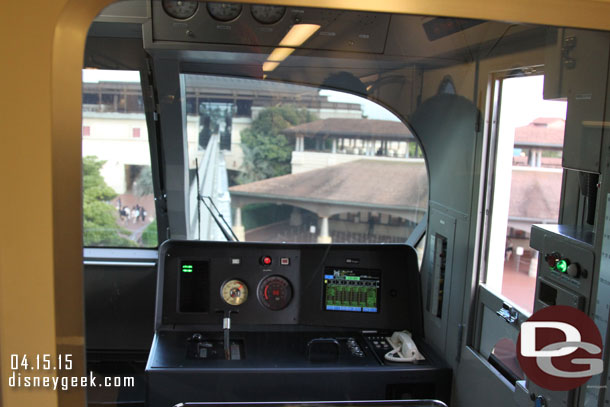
<point>277,321</point>
<point>341,285</point>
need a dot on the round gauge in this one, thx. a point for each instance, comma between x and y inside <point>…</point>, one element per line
<point>224,11</point>
<point>268,14</point>
<point>275,293</point>
<point>180,9</point>
<point>234,292</point>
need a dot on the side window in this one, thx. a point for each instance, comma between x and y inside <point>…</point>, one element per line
<point>526,189</point>
<point>291,163</point>
<point>118,203</point>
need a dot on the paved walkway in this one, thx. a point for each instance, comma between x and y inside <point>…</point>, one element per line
<point>135,226</point>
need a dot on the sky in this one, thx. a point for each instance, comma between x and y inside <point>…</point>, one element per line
<point>522,103</point>
<point>371,110</point>
<point>96,75</point>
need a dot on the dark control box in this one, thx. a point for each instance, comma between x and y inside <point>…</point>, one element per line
<point>342,285</point>
<point>270,322</point>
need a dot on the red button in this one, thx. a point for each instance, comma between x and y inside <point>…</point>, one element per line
<point>552,259</point>
<point>266,260</point>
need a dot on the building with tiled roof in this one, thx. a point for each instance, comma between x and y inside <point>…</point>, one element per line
<point>349,136</point>
<point>393,187</point>
<point>353,128</point>
<point>542,134</point>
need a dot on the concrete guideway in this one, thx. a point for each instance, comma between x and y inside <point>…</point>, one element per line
<point>214,183</point>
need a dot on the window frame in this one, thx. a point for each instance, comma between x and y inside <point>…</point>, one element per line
<point>416,238</point>
<point>492,115</point>
<point>485,297</point>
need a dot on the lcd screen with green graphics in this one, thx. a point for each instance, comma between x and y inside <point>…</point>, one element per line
<point>355,290</point>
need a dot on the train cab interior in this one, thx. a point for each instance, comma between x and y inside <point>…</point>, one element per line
<point>288,204</point>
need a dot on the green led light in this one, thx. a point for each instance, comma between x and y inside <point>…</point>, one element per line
<point>187,268</point>
<point>562,266</point>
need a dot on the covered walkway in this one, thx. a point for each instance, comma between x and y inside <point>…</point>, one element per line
<point>389,188</point>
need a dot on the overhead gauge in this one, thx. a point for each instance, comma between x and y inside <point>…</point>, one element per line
<point>180,9</point>
<point>234,292</point>
<point>224,11</point>
<point>267,14</point>
<point>274,293</point>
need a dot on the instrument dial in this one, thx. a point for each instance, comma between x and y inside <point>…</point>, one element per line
<point>224,11</point>
<point>267,14</point>
<point>234,292</point>
<point>275,293</point>
<point>180,9</point>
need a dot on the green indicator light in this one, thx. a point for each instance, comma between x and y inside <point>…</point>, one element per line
<point>187,268</point>
<point>562,266</point>
<point>352,278</point>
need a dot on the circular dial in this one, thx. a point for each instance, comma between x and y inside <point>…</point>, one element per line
<point>234,292</point>
<point>180,9</point>
<point>268,14</point>
<point>224,11</point>
<point>275,293</point>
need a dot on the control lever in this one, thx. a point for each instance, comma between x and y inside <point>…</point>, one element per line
<point>226,328</point>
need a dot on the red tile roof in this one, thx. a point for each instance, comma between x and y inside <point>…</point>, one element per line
<point>535,193</point>
<point>548,120</point>
<point>542,132</point>
<point>353,128</point>
<point>390,183</point>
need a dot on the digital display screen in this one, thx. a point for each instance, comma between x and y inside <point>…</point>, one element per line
<point>194,286</point>
<point>355,290</point>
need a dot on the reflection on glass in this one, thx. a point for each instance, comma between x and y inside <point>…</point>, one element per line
<point>289,163</point>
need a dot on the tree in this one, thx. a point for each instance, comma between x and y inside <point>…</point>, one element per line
<point>267,152</point>
<point>149,236</point>
<point>143,184</point>
<point>100,226</point>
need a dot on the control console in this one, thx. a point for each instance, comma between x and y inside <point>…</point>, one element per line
<point>269,321</point>
<point>351,286</point>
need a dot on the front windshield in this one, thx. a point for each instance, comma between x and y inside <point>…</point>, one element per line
<point>290,163</point>
<point>249,143</point>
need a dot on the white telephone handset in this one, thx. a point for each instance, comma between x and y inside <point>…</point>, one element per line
<point>403,348</point>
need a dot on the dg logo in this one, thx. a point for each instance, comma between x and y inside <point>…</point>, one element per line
<point>560,348</point>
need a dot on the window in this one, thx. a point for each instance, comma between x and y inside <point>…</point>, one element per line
<point>527,178</point>
<point>290,163</point>
<point>118,203</point>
